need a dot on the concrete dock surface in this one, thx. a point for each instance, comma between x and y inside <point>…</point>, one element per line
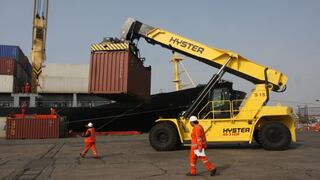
<point>131,157</point>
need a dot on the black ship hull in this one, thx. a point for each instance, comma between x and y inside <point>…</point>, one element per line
<point>121,116</point>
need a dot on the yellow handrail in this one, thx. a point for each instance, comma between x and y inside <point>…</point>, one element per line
<point>232,111</point>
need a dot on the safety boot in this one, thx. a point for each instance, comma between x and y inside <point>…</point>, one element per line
<point>189,174</point>
<point>213,172</point>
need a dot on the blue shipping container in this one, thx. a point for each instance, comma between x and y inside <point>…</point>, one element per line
<point>13,52</point>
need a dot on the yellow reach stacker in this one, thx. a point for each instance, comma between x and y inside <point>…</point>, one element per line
<point>225,115</point>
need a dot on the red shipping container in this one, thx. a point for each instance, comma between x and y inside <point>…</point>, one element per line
<point>31,127</point>
<point>119,73</point>
<point>8,66</point>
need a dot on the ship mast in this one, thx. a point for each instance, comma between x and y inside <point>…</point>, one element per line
<point>177,62</point>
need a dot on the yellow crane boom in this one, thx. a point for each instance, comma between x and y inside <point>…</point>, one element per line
<point>39,34</point>
<point>238,65</point>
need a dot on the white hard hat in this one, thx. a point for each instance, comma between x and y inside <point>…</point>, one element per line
<point>90,124</point>
<point>193,119</point>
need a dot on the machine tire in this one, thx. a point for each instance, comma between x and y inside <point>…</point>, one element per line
<point>163,137</point>
<point>256,136</point>
<point>275,136</point>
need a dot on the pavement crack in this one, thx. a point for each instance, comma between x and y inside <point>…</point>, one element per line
<point>52,168</point>
<point>163,172</point>
<point>308,172</point>
<point>126,159</point>
<point>78,160</point>
<point>36,167</point>
<point>52,152</point>
<point>3,162</point>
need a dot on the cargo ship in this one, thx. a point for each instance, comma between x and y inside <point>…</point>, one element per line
<point>120,116</point>
<point>81,93</point>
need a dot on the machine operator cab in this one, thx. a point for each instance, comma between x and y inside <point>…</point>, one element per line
<point>221,102</point>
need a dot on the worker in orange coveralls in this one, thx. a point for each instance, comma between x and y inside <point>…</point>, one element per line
<point>90,141</point>
<point>198,146</point>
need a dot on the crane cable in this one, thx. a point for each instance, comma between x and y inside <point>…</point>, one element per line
<point>44,9</point>
<point>41,8</point>
<point>38,7</point>
<point>122,115</point>
<point>113,119</point>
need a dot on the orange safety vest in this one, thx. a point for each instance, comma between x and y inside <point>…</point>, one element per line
<point>198,137</point>
<point>92,137</point>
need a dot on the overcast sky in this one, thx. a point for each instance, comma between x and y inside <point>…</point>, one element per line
<point>283,35</point>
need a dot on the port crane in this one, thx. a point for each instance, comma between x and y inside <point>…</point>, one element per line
<point>225,116</point>
<point>39,36</point>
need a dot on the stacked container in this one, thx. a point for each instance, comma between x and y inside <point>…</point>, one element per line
<point>8,66</point>
<point>15,69</point>
<point>116,70</point>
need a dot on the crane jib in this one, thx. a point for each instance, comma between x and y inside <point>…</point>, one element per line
<point>242,67</point>
<point>186,45</point>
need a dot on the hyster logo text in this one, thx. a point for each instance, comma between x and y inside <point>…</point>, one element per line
<point>186,44</point>
<point>235,131</point>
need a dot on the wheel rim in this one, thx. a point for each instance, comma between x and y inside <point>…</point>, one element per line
<point>275,135</point>
<point>163,137</point>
